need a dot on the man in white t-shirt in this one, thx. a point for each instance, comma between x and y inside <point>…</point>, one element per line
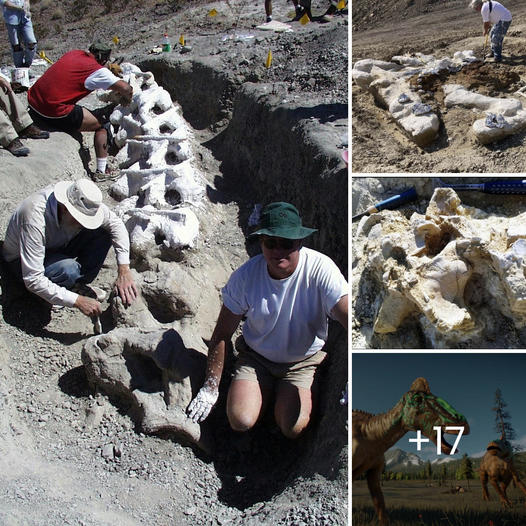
<point>54,96</point>
<point>286,295</point>
<point>497,18</point>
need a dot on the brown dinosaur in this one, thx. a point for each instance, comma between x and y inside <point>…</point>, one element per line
<point>372,435</point>
<point>497,467</point>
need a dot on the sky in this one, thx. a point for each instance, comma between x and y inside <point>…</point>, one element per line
<point>467,381</point>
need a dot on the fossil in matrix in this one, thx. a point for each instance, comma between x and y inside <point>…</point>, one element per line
<point>160,188</point>
<point>436,266</point>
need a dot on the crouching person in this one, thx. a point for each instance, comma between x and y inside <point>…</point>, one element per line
<point>286,294</point>
<point>57,240</point>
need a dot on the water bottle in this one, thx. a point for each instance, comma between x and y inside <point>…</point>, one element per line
<point>167,46</point>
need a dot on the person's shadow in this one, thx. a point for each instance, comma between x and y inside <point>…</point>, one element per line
<point>26,311</point>
<point>102,114</point>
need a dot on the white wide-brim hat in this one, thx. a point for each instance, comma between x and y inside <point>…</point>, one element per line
<point>82,199</point>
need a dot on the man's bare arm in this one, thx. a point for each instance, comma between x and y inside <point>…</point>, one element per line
<point>206,398</point>
<point>123,89</point>
<point>340,312</point>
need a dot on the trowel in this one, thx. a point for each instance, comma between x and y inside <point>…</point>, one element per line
<point>392,202</point>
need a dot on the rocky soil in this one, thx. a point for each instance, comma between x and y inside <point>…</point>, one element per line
<point>441,29</point>
<point>71,455</point>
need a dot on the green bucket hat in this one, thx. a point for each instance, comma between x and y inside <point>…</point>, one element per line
<point>282,220</point>
<point>100,50</point>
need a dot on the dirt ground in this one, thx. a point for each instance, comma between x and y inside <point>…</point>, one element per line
<point>68,454</point>
<point>441,29</point>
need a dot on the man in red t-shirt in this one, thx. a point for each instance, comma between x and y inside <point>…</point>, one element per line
<point>53,97</point>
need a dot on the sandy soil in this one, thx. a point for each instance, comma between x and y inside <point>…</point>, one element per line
<point>440,29</point>
<point>68,455</point>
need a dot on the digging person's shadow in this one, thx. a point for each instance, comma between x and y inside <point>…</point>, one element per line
<point>102,115</point>
<point>26,311</point>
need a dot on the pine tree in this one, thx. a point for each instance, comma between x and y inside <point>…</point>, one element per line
<point>465,470</point>
<point>502,417</point>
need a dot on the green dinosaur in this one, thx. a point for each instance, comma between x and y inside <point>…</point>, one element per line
<point>372,435</point>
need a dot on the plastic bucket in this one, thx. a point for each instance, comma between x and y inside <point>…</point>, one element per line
<point>20,76</point>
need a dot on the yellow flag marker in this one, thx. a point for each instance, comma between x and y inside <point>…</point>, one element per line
<point>42,55</point>
<point>212,12</point>
<point>181,40</point>
<point>304,19</point>
<point>268,63</point>
<point>115,39</point>
<point>341,5</point>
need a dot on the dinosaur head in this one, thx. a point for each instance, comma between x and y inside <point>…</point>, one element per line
<point>500,448</point>
<point>423,410</point>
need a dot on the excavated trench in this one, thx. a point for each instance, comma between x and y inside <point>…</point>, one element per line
<point>269,151</point>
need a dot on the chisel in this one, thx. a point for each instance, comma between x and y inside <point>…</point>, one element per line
<point>392,202</point>
<point>500,186</point>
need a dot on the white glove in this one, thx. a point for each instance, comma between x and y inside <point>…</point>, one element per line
<point>202,404</point>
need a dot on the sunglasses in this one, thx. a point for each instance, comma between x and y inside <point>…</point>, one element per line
<point>278,242</point>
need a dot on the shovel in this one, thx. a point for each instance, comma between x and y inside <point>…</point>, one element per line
<point>484,47</point>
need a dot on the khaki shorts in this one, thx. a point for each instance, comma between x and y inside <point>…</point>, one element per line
<point>253,367</point>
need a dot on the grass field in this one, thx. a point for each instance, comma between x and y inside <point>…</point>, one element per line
<point>418,503</point>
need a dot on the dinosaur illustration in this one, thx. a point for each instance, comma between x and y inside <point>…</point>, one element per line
<point>372,435</point>
<point>497,467</point>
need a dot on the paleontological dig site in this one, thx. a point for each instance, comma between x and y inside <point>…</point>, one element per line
<point>428,94</point>
<point>206,156</point>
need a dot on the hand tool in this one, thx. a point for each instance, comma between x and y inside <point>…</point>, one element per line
<point>499,186</point>
<point>392,202</point>
<point>484,48</point>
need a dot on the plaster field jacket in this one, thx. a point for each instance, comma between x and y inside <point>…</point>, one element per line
<point>57,91</point>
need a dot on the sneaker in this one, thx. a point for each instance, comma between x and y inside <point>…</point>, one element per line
<point>32,132</point>
<point>269,19</point>
<point>17,148</point>
<point>91,291</point>
<point>108,175</point>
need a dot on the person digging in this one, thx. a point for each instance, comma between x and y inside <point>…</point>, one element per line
<point>496,20</point>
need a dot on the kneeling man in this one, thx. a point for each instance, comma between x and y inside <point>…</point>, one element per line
<point>286,295</point>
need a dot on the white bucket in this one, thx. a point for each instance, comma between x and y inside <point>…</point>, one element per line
<point>20,76</point>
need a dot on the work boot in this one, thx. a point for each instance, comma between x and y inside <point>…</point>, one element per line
<point>33,132</point>
<point>17,148</point>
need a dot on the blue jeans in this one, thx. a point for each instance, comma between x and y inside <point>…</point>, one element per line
<point>18,34</point>
<point>78,262</point>
<point>497,36</point>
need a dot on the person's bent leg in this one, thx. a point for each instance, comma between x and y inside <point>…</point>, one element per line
<point>91,123</point>
<point>292,408</point>
<point>293,404</point>
<point>497,36</point>
<point>244,404</point>
<point>90,248</point>
<point>61,270</point>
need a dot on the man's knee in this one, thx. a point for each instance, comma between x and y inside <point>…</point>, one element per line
<point>32,45</point>
<point>17,47</point>
<point>65,272</point>
<point>241,420</point>
<point>293,430</point>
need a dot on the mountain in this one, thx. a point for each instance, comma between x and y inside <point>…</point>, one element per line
<point>399,460</point>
